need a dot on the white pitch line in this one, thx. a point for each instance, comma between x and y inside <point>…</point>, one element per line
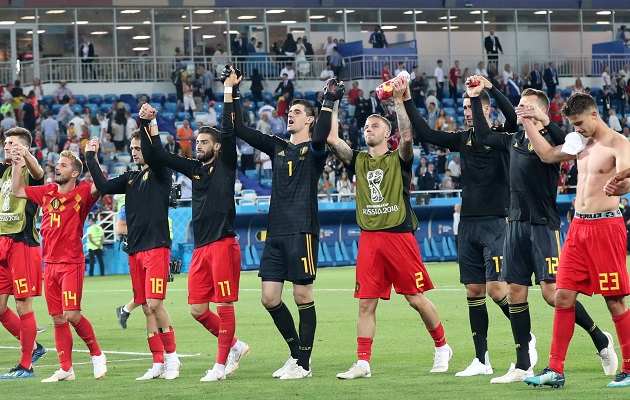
<point>439,289</point>
<point>90,362</point>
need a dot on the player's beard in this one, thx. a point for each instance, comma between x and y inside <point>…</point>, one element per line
<point>60,180</point>
<point>207,156</point>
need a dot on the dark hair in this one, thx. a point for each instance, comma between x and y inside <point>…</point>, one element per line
<point>135,135</point>
<point>579,103</point>
<point>483,96</point>
<point>213,132</point>
<point>22,134</point>
<point>541,97</point>
<point>308,106</point>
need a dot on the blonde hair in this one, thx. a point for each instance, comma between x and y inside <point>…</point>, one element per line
<point>76,163</point>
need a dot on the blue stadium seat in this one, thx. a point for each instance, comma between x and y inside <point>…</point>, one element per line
<point>246,258</point>
<point>171,97</point>
<point>105,108</point>
<point>157,106</point>
<point>158,98</point>
<point>95,99</point>
<point>169,117</point>
<point>77,108</point>
<point>423,112</point>
<point>248,95</point>
<point>298,95</point>
<point>183,115</point>
<point>322,259</point>
<point>56,108</point>
<point>450,111</point>
<point>110,98</point>
<point>341,257</point>
<point>310,95</point>
<point>435,249</point>
<point>326,249</point>
<point>93,109</point>
<point>218,107</point>
<point>252,174</point>
<point>170,107</point>
<point>81,99</point>
<point>460,102</point>
<point>218,97</point>
<point>49,100</point>
<point>260,104</point>
<point>265,183</point>
<point>427,253</point>
<point>267,96</point>
<point>451,246</point>
<point>347,255</point>
<point>255,255</point>
<point>448,102</point>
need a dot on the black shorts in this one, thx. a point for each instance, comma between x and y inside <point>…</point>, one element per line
<point>290,258</point>
<point>179,92</point>
<point>530,249</point>
<point>480,249</point>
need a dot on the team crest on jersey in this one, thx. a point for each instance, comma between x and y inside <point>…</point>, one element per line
<point>196,177</point>
<point>303,150</point>
<point>515,144</point>
<point>55,204</point>
<point>281,153</point>
<point>210,170</point>
<point>530,147</point>
<point>145,176</point>
<point>469,142</point>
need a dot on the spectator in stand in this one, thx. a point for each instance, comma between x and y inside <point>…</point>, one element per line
<point>285,88</point>
<point>506,74</point>
<point>430,180</point>
<point>621,96</point>
<point>185,136</point>
<point>440,121</point>
<point>442,153</point>
<point>327,73</point>
<point>447,183</point>
<point>188,88</point>
<point>453,79</point>
<point>324,188</point>
<point>624,72</point>
<point>130,126</point>
<point>353,95</point>
<point>39,90</point>
<point>282,107</point>
<point>526,77</point>
<point>421,169</point>
<point>467,73</point>
<point>78,122</point>
<point>493,46</point>
<point>263,124</point>
<point>309,53</point>
<point>481,69</point>
<point>336,62</point>
<point>400,68</point>
<point>455,168</point>
<point>319,103</point>
<point>53,156</point>
<point>345,188</point>
<point>572,176</point>
<point>513,88</point>
<point>248,115</point>
<point>386,73</point>
<point>438,74</point>
<point>247,156</point>
<point>289,47</point>
<point>266,109</point>
<point>61,92</point>
<point>50,127</point>
<point>212,119</point>
<point>551,79</point>
<point>606,76</point>
<point>28,117</point>
<point>432,114</point>
<point>536,78</point>
<point>577,87</point>
<point>95,240</point>
<point>419,86</point>
<point>328,48</point>
<point>606,103</point>
<point>613,120</point>
<point>394,140</point>
<point>205,76</point>
<point>172,146</point>
<point>456,217</point>
<point>265,164</point>
<point>278,124</point>
<point>108,151</point>
<point>289,71</point>
<point>251,46</point>
<point>65,113</point>
<point>377,38</point>
<point>257,86</point>
<point>414,73</point>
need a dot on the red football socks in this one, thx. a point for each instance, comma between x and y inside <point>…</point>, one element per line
<point>226,332</point>
<point>563,327</point>
<point>622,326</point>
<point>437,333</point>
<point>364,348</point>
<point>11,322</point>
<point>86,332</point>
<point>63,342</point>
<point>28,332</point>
<point>156,347</point>
<point>168,339</point>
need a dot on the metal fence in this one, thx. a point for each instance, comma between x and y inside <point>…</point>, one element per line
<point>159,69</point>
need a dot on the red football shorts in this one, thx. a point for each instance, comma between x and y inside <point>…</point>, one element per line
<point>149,274</point>
<point>64,287</point>
<point>215,272</point>
<point>593,258</point>
<point>20,269</point>
<point>386,259</point>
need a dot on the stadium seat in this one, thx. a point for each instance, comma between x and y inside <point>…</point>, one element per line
<point>194,125</point>
<point>238,185</point>
<point>110,98</point>
<point>252,174</point>
<point>77,108</point>
<point>132,166</point>
<point>158,98</point>
<point>310,95</point>
<point>105,108</point>
<point>95,99</point>
<point>124,158</point>
<point>163,136</point>
<point>218,107</point>
<point>436,250</point>
<point>326,250</point>
<point>246,202</point>
<point>168,117</point>
<point>322,260</point>
<point>249,193</point>
<point>427,252</point>
<point>49,100</point>
<point>120,168</point>
<point>178,124</point>
<point>170,107</point>
<point>423,112</point>
<point>448,102</point>
<point>201,117</point>
<point>246,258</point>
<point>450,111</point>
<point>183,115</point>
<point>56,108</point>
<point>267,96</point>
<point>298,95</point>
<point>260,104</point>
<point>266,183</point>
<point>265,201</point>
<point>157,106</point>
<point>218,97</point>
<point>80,99</point>
<point>347,253</point>
<point>256,253</point>
<point>451,246</point>
<point>248,95</point>
<point>93,109</point>
<point>171,97</point>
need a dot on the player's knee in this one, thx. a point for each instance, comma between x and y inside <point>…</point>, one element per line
<point>270,301</point>
<point>155,305</point>
<point>72,316</point>
<point>367,306</point>
<point>197,310</point>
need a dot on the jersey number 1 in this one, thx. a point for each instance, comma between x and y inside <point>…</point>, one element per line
<point>290,167</point>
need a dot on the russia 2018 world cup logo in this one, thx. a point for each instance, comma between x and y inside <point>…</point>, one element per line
<point>374,179</point>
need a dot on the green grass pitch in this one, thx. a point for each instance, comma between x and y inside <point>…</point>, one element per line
<point>402,352</point>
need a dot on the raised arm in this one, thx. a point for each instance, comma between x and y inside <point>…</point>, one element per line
<point>232,105</point>
<point>17,180</point>
<point>155,155</point>
<point>34,169</point>
<point>116,185</point>
<point>482,129</point>
<point>506,108</point>
<point>532,111</point>
<point>333,92</point>
<point>401,94</point>
<point>449,140</point>
<point>619,184</point>
<point>339,147</point>
<point>544,150</point>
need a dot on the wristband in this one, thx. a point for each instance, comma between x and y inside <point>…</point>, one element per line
<point>328,104</point>
<point>153,122</point>
<point>227,89</point>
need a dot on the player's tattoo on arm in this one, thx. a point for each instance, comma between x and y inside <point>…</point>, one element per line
<point>405,150</point>
<point>342,151</point>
